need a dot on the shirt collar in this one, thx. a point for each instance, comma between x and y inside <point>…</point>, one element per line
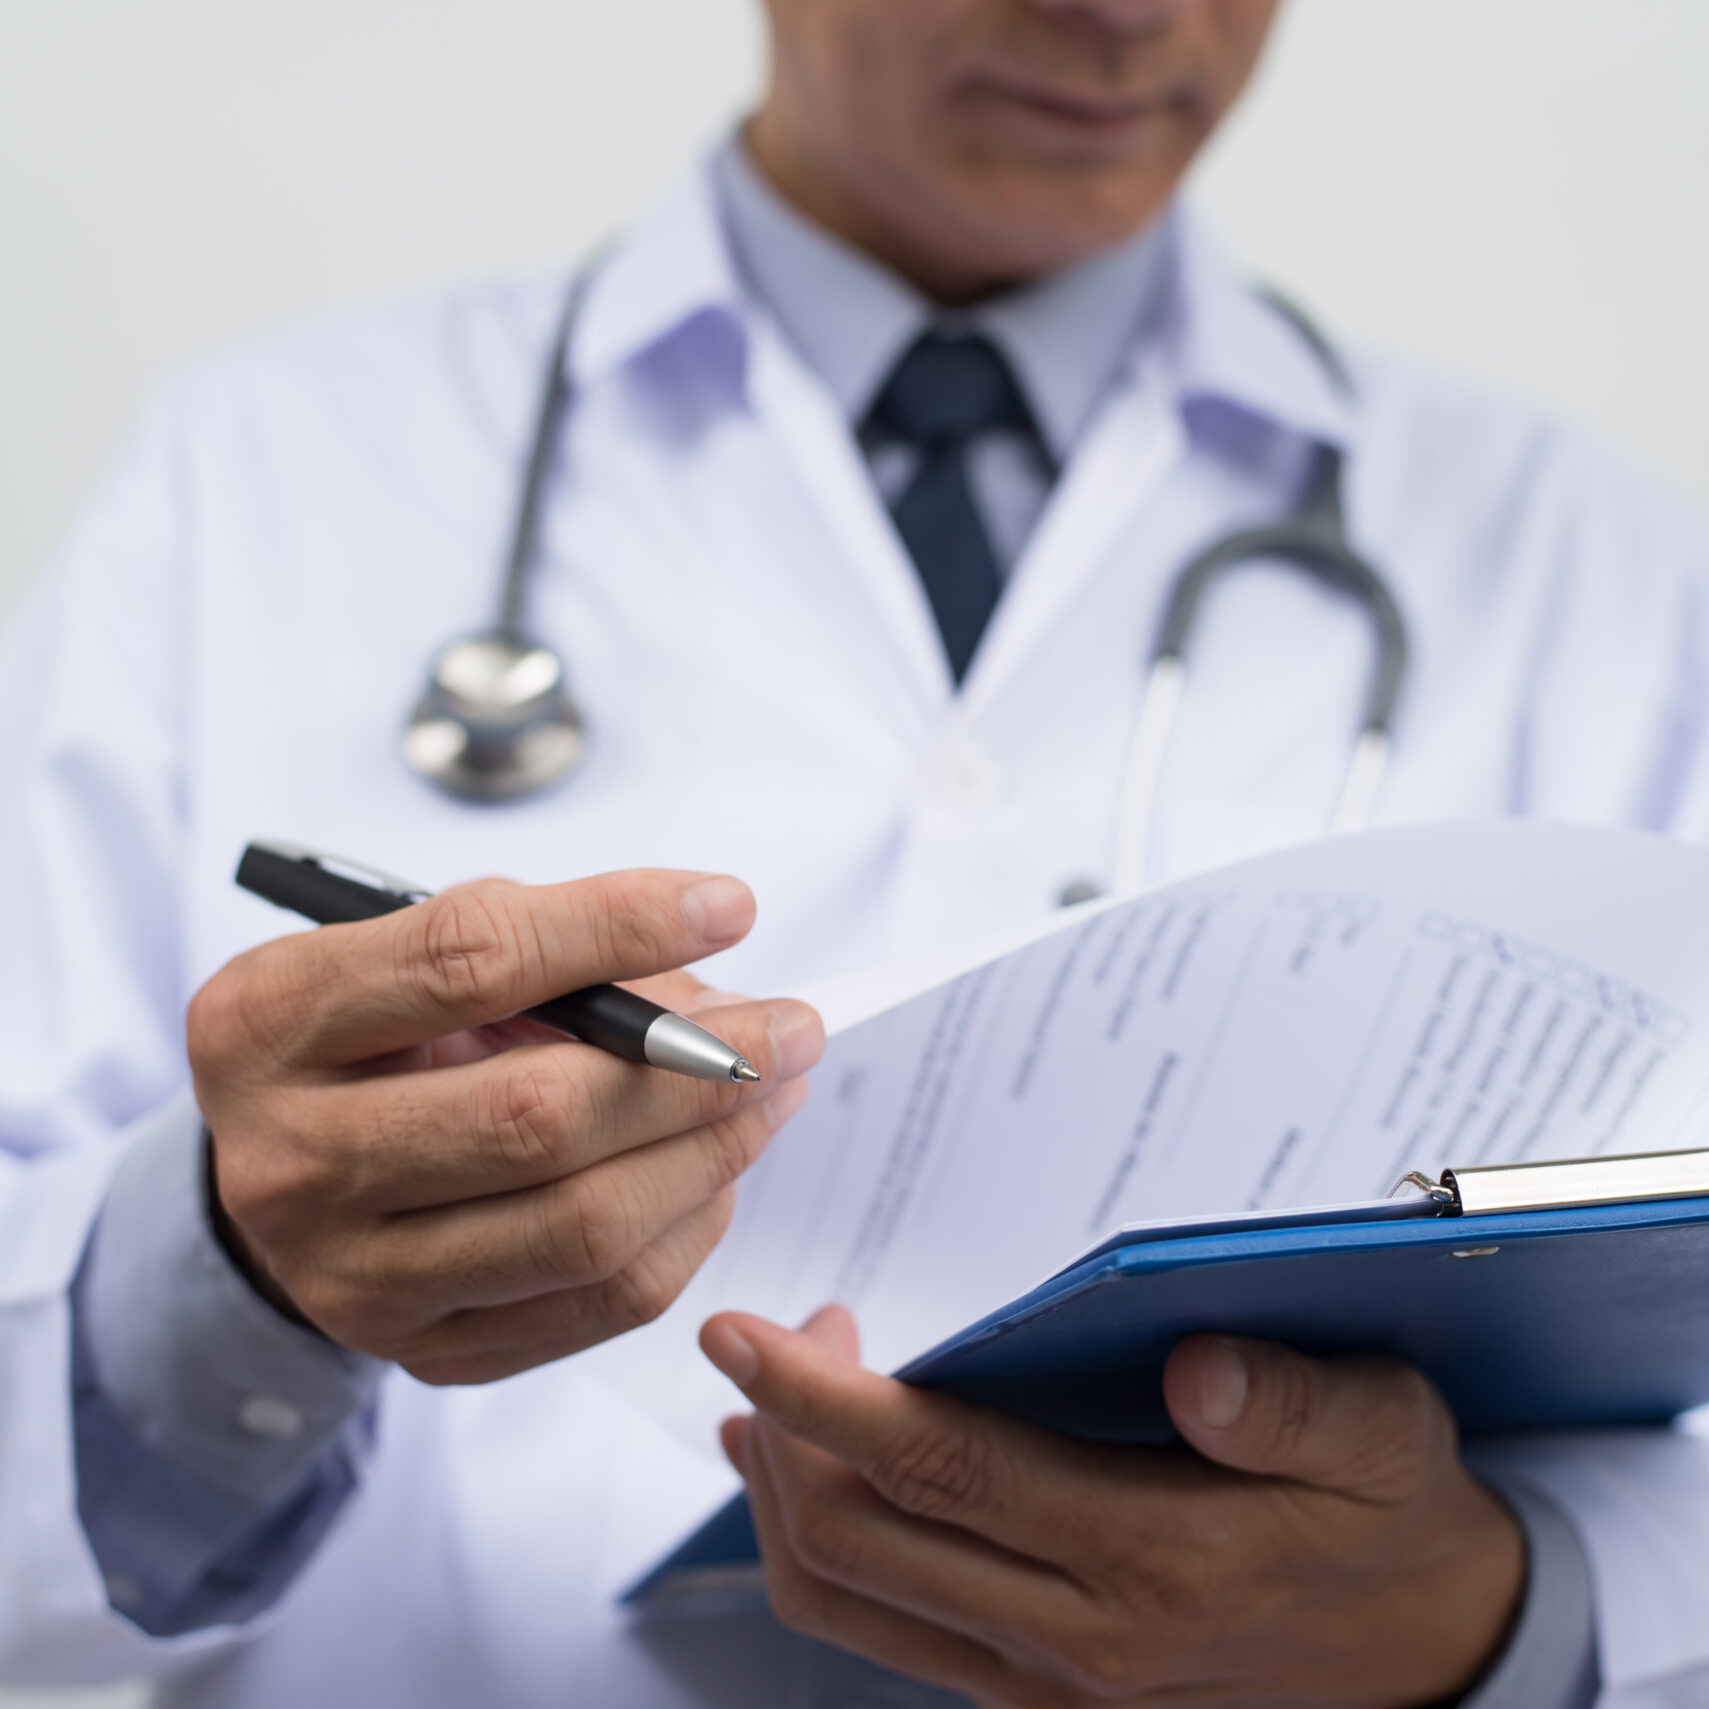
<point>846,315</point>
<point>851,318</point>
<point>1067,335</point>
<point>685,268</point>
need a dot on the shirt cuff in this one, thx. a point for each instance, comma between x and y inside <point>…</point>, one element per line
<point>200,1366</point>
<point>1550,1659</point>
<point>216,1443</point>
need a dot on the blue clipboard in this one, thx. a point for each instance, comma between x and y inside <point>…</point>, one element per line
<point>1527,1316</point>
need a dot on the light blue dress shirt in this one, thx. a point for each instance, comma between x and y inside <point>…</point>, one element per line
<point>850,320</point>
<point>216,1443</point>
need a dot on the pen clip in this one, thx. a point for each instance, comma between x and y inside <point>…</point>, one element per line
<point>339,867</point>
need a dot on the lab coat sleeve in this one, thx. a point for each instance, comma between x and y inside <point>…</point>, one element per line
<point>92,819</point>
<point>1638,1499</point>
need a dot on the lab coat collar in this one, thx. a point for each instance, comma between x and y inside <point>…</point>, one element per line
<point>1225,345</point>
<point>669,272</point>
<point>1221,343</point>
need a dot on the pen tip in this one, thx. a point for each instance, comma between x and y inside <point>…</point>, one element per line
<point>744,1070</point>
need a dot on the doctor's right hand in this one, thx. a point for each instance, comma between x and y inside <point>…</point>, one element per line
<point>398,1161</point>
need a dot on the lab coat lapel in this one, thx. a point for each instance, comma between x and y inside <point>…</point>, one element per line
<point>800,418</point>
<point>676,264</point>
<point>1134,443</point>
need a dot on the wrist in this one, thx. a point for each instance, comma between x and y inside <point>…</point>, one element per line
<point>1478,1595</point>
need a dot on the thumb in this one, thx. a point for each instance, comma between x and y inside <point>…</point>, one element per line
<point>1369,1427</point>
<point>729,1344</point>
<point>834,1326</point>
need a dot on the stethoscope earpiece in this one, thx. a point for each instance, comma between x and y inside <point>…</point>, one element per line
<point>495,722</point>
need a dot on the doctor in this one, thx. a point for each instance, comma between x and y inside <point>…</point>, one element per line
<point>890,431</point>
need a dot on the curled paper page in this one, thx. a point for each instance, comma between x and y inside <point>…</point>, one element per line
<point>1301,1029</point>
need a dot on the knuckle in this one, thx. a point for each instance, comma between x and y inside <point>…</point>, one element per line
<point>1415,1430</point>
<point>1191,1587</point>
<point>239,1013</point>
<point>527,1115</point>
<point>735,1143</point>
<point>334,1304</point>
<point>603,1227</point>
<point>245,1181</point>
<point>1292,1404</point>
<point>460,1370</point>
<point>938,1470</point>
<point>825,1543</point>
<point>355,1307</point>
<point>265,1187</point>
<point>555,1236</point>
<point>1420,1414</point>
<point>639,1295</point>
<point>208,1022</point>
<point>632,924</point>
<point>464,939</point>
<point>795,1603</point>
<point>436,1373</point>
<point>1108,1665</point>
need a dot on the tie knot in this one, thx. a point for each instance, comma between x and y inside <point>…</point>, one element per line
<point>948,388</point>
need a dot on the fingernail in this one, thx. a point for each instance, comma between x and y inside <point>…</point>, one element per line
<point>718,910</point>
<point>1223,1381</point>
<point>732,1352</point>
<point>797,1040</point>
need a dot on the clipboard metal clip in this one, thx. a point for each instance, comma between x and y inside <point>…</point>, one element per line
<point>1487,1191</point>
<point>1443,1194</point>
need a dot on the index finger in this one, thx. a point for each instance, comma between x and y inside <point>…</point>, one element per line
<point>480,952</point>
<point>924,1453</point>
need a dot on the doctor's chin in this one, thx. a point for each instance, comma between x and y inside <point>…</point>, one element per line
<point>893,945</point>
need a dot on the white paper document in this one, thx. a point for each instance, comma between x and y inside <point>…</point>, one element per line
<point>1300,1029</point>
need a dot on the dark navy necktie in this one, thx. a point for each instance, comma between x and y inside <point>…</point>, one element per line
<point>946,390</point>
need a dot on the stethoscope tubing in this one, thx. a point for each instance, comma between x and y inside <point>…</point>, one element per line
<point>1313,541</point>
<point>550,414</point>
<point>527,739</point>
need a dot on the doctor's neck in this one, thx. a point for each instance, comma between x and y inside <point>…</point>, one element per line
<point>972,145</point>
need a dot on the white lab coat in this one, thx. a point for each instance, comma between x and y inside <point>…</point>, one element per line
<point>231,641</point>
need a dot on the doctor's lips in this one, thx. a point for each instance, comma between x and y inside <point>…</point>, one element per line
<point>1094,117</point>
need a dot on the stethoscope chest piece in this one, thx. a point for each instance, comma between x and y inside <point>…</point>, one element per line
<point>495,723</point>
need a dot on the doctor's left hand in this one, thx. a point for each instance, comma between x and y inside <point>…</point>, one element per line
<point>1319,1542</point>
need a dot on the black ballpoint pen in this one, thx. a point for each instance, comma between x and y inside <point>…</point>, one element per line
<point>616,1020</point>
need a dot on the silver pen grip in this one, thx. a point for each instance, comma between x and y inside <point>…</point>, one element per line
<point>677,1043</point>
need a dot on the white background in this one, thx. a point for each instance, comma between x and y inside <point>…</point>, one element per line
<point>1513,189</point>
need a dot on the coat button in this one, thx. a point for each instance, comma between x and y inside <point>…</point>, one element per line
<point>267,1415</point>
<point>965,777</point>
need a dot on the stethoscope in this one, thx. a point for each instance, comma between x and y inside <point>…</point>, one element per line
<point>497,723</point>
